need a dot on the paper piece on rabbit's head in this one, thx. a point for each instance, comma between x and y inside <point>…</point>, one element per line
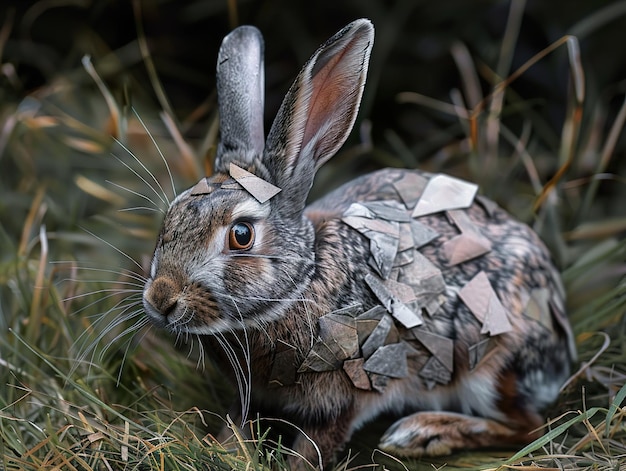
<point>260,189</point>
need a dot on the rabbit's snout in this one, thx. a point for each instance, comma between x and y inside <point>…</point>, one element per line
<point>162,297</point>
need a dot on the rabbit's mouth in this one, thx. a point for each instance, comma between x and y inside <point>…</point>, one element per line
<point>188,309</point>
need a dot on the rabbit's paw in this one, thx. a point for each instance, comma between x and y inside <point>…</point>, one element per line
<point>441,433</point>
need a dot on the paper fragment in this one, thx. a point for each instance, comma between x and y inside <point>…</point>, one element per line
<point>403,258</point>
<point>443,193</point>
<point>370,227</point>
<point>422,234</point>
<point>479,296</point>
<point>388,210</point>
<point>283,368</point>
<point>320,358</point>
<point>337,341</point>
<point>356,373</point>
<point>439,346</point>
<point>477,351</point>
<point>379,382</point>
<point>434,372</point>
<point>201,188</point>
<point>406,241</point>
<point>425,279</point>
<point>410,188</point>
<point>434,303</point>
<point>339,333</point>
<point>358,210</point>
<point>467,245</point>
<point>389,360</point>
<point>393,305</point>
<point>383,248</point>
<point>489,206</point>
<point>537,307</point>
<point>378,336</point>
<point>260,189</point>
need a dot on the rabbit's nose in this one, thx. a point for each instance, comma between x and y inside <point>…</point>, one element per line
<point>163,295</point>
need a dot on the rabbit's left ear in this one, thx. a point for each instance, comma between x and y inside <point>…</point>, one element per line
<point>319,111</point>
<point>240,92</point>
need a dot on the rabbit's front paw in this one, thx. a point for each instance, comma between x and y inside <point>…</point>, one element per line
<point>441,433</point>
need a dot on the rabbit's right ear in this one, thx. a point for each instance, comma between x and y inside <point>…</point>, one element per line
<point>240,93</point>
<point>318,112</point>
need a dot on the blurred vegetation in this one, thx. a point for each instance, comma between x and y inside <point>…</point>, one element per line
<point>79,79</point>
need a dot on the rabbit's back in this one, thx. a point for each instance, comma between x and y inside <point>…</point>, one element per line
<point>469,289</point>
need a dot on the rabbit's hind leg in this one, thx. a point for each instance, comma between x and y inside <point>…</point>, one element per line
<point>441,433</point>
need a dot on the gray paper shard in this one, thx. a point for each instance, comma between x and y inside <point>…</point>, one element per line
<point>384,248</point>
<point>403,258</point>
<point>358,210</point>
<point>467,245</point>
<point>257,187</point>
<point>422,234</point>
<point>367,322</point>
<point>283,368</point>
<point>406,241</point>
<point>320,358</point>
<point>379,382</point>
<point>434,372</point>
<point>537,307</point>
<point>425,279</point>
<point>389,360</point>
<point>369,227</point>
<point>394,305</point>
<point>477,351</point>
<point>479,296</point>
<point>337,341</point>
<point>439,346</point>
<point>356,373</point>
<point>378,336</point>
<point>388,210</point>
<point>489,206</point>
<point>410,188</point>
<point>443,193</point>
<point>340,334</point>
<point>201,188</point>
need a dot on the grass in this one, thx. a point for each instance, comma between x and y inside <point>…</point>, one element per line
<point>72,256</point>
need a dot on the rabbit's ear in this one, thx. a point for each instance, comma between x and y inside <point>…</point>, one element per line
<point>319,111</point>
<point>240,93</point>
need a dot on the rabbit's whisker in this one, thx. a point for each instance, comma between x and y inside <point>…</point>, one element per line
<point>161,196</point>
<point>158,149</point>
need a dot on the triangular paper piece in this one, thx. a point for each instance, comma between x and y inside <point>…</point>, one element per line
<point>444,193</point>
<point>388,210</point>
<point>201,188</point>
<point>434,372</point>
<point>480,297</point>
<point>439,346</point>
<point>465,246</point>
<point>393,305</point>
<point>410,188</point>
<point>389,360</point>
<point>496,321</point>
<point>356,373</point>
<point>378,336</point>
<point>257,187</point>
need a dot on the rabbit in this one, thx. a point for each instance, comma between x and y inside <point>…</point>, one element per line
<point>400,292</point>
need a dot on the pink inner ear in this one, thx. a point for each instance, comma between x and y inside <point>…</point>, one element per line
<point>329,87</point>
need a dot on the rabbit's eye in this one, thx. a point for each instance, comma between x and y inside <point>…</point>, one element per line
<point>241,236</point>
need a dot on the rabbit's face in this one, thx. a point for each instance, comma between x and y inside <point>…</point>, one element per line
<point>225,261</point>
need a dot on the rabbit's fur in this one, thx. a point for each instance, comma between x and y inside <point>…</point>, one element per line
<point>261,308</point>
